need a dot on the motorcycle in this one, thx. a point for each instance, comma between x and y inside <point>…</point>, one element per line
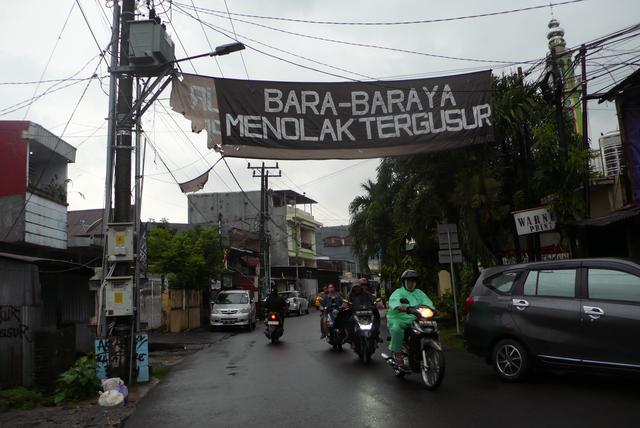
<point>337,335</point>
<point>421,349</point>
<point>364,336</point>
<point>274,329</point>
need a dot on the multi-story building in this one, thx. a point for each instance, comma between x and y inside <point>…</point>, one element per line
<point>612,154</point>
<point>291,227</point>
<point>33,185</point>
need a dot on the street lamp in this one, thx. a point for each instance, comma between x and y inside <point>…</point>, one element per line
<point>220,50</point>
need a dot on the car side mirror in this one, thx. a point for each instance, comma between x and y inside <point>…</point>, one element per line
<point>404,301</point>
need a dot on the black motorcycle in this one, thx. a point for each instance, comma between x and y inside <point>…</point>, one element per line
<point>275,329</point>
<point>364,338</point>
<point>421,349</point>
<point>336,326</point>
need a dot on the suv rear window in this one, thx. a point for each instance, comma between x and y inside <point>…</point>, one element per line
<point>551,283</point>
<point>609,284</point>
<point>502,283</point>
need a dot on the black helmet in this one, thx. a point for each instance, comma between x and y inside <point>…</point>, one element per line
<point>409,273</point>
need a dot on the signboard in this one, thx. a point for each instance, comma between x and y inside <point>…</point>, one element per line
<point>455,256</point>
<point>534,220</point>
<point>337,120</point>
<point>449,244</point>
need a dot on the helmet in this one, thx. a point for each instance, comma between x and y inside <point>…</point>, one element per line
<point>409,273</point>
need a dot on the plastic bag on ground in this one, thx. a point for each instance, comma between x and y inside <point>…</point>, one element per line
<point>111,383</point>
<point>111,398</point>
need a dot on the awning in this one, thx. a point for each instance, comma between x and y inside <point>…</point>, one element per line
<point>613,217</point>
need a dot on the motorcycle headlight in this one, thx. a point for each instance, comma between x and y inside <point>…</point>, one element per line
<point>365,327</point>
<point>425,313</point>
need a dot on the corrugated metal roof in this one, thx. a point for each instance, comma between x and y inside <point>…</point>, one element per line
<point>613,217</point>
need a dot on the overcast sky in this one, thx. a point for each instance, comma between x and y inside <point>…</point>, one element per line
<point>29,31</point>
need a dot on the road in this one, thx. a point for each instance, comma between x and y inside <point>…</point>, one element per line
<point>244,381</point>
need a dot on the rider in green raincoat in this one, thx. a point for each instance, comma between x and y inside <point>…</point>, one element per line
<point>397,318</point>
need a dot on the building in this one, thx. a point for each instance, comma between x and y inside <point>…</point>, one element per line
<point>291,227</point>
<point>596,165</point>
<point>45,301</point>
<point>33,185</point>
<point>612,155</point>
<point>563,57</point>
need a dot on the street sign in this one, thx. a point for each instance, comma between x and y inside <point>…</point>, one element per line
<point>446,256</point>
<point>534,220</point>
<point>448,236</point>
<point>450,253</point>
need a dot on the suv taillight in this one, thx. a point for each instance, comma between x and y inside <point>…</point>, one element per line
<point>468,305</point>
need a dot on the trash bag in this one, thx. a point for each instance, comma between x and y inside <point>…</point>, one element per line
<point>111,398</point>
<point>111,383</point>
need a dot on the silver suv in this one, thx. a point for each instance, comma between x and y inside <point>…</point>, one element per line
<point>233,308</point>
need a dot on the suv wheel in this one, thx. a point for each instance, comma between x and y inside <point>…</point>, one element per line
<point>510,360</point>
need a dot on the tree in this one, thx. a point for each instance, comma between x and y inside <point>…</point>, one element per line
<point>189,259</point>
<point>476,187</point>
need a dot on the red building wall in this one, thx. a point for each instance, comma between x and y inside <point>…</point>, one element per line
<point>13,157</point>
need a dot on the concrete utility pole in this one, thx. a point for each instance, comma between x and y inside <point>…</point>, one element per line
<point>122,196</point>
<point>264,172</point>
<point>585,130</point>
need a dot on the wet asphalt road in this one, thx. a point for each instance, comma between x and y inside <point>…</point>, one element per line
<point>244,381</point>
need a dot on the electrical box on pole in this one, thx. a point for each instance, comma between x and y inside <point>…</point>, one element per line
<point>120,242</point>
<point>119,296</point>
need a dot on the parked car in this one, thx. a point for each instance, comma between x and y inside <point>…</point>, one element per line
<point>297,303</point>
<point>233,308</point>
<point>565,313</point>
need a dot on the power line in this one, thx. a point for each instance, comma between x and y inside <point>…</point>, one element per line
<point>368,45</point>
<point>208,42</point>
<point>225,32</point>
<point>385,23</point>
<point>193,145</point>
<point>233,27</point>
<point>73,4</point>
<point>95,39</point>
<point>51,156</point>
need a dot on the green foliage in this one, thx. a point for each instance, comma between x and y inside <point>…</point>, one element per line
<point>189,259</point>
<point>21,398</point>
<point>477,188</point>
<point>79,382</point>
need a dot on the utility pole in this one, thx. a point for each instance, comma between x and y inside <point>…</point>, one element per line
<point>122,196</point>
<point>264,172</point>
<point>585,129</point>
<point>559,97</point>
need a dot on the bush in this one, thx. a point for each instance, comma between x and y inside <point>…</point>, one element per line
<point>79,382</point>
<point>20,398</point>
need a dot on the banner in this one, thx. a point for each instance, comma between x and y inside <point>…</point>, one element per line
<point>345,120</point>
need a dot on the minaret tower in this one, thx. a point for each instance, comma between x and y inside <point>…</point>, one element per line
<point>558,46</point>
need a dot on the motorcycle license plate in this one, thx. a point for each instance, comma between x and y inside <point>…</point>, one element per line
<point>273,323</point>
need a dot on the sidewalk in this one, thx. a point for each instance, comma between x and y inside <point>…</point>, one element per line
<point>188,340</point>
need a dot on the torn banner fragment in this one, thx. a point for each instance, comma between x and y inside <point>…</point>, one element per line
<point>337,120</point>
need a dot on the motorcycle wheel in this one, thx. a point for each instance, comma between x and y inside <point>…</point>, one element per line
<point>433,374</point>
<point>364,354</point>
<point>274,339</point>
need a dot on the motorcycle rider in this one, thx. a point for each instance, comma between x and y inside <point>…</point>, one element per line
<point>361,299</point>
<point>331,300</point>
<point>275,303</point>
<point>397,318</point>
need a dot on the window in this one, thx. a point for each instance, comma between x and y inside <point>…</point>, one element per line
<point>613,285</point>
<point>551,283</point>
<point>503,282</point>
<point>232,298</point>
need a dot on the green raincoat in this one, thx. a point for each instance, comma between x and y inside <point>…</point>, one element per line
<point>398,321</point>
